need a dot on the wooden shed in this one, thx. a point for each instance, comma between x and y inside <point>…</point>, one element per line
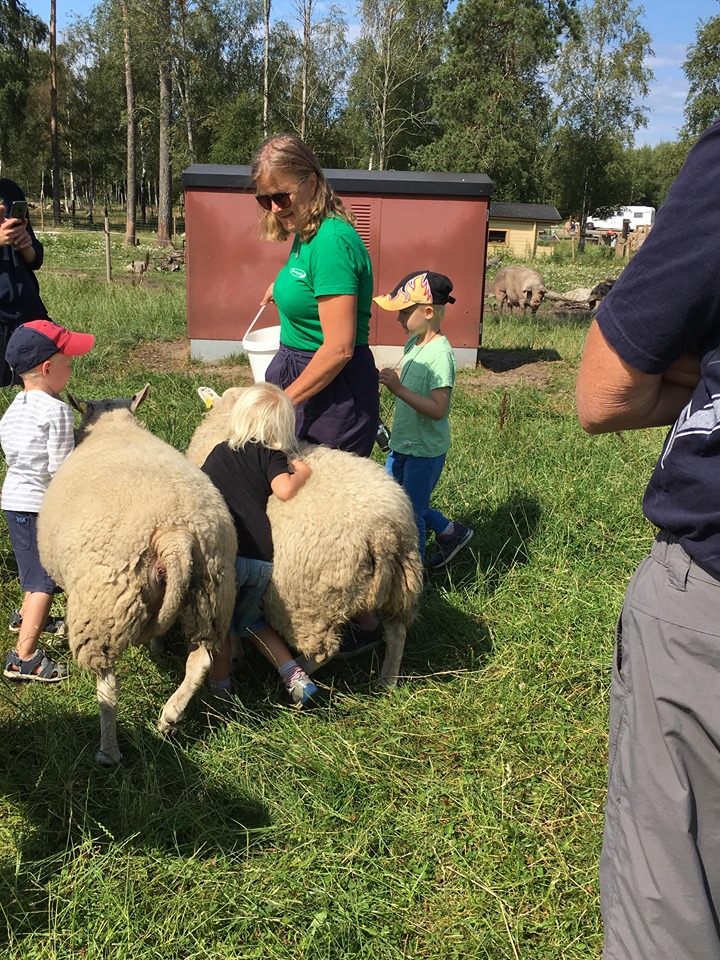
<point>408,221</point>
<point>516,226</point>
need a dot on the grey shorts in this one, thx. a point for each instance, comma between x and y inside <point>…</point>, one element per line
<point>22,528</point>
<point>660,863</point>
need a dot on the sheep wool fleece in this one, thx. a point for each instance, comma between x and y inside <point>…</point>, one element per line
<point>121,514</point>
<point>344,544</point>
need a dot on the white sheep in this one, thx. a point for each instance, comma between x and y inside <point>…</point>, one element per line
<point>345,544</point>
<point>137,537</point>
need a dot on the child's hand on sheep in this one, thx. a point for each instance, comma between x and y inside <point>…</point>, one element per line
<point>286,485</point>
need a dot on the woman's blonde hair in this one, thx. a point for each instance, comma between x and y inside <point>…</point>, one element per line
<point>289,155</point>
<point>263,414</point>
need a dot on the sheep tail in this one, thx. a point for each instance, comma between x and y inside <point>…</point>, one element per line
<point>173,549</point>
<point>395,580</point>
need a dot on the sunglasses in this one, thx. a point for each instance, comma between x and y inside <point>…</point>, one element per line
<point>281,200</point>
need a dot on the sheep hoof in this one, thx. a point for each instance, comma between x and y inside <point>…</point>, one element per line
<point>166,728</point>
<point>108,758</point>
<point>386,684</point>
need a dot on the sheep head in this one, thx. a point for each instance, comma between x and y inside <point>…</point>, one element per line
<point>91,409</point>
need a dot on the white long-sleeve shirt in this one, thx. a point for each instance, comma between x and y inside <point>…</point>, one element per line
<point>36,435</point>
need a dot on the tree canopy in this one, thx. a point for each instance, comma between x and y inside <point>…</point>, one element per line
<point>544,96</point>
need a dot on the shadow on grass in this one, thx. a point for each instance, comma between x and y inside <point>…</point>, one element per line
<point>159,802</point>
<point>449,634</point>
<point>501,360</point>
<point>501,541</point>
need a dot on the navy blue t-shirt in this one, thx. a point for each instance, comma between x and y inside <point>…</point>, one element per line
<point>666,302</point>
<point>243,477</point>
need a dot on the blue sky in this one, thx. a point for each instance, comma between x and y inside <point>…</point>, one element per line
<point>672,24</point>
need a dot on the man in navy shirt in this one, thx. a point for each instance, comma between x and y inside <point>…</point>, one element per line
<point>652,358</point>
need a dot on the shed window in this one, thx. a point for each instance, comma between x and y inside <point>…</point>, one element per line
<point>497,236</point>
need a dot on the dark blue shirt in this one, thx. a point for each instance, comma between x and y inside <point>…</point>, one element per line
<point>666,302</point>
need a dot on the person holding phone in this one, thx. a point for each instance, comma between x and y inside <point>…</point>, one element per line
<point>21,254</point>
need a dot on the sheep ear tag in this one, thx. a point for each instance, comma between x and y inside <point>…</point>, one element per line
<point>80,405</point>
<point>208,396</point>
<point>139,398</point>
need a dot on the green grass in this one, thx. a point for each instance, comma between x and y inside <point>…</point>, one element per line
<point>459,817</point>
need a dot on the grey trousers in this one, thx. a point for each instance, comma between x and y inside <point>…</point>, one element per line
<point>660,862</point>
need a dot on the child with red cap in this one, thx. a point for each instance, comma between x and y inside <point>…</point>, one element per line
<point>36,435</point>
<point>420,436</point>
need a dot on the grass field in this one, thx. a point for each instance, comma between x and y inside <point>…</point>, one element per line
<point>459,817</point>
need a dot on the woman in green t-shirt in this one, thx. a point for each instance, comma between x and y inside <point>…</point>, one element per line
<point>323,295</point>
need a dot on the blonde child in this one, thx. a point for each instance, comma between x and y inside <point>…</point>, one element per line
<point>420,437</point>
<point>36,434</point>
<point>253,463</point>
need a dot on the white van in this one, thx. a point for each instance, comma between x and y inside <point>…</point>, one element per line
<point>638,216</point>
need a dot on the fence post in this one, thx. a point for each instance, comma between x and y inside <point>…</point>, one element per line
<point>108,261</point>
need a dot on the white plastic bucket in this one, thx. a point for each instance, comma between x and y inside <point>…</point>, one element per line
<point>261,346</point>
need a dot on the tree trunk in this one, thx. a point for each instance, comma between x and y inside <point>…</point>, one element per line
<point>184,88</point>
<point>306,54</point>
<point>130,224</point>
<point>54,140</point>
<point>164,150</point>
<point>266,67</point>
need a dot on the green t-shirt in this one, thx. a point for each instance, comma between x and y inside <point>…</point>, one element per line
<point>333,262</point>
<point>428,367</point>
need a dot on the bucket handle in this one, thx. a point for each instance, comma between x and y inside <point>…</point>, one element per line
<point>257,317</point>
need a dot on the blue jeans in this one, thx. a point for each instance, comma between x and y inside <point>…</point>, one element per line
<point>252,577</point>
<point>418,476</point>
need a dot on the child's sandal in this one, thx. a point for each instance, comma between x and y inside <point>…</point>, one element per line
<point>39,667</point>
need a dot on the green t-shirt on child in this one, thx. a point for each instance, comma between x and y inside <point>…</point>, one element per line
<point>431,366</point>
<point>333,262</point>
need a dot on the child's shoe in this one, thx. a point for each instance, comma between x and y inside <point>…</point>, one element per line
<point>302,691</point>
<point>447,546</point>
<point>38,667</point>
<point>53,625</point>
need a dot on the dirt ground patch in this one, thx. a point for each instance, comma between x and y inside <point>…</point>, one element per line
<point>162,356</point>
<point>496,368</point>
<point>507,368</point>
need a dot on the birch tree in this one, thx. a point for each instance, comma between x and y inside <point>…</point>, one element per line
<point>702,68</point>
<point>399,45</point>
<point>131,127</point>
<point>600,81</point>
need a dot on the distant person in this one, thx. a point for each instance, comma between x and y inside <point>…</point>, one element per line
<point>21,254</point>
<point>323,295</point>
<point>37,435</point>
<point>420,435</point>
<point>652,357</point>
<point>254,463</point>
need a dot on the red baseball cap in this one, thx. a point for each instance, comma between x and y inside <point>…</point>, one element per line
<point>38,340</point>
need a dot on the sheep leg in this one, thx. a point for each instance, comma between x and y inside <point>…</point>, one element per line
<point>310,666</point>
<point>108,690</point>
<point>197,667</point>
<point>394,646</point>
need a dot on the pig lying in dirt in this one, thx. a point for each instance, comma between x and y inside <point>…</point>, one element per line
<point>518,286</point>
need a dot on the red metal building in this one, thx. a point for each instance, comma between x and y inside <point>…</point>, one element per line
<point>408,221</point>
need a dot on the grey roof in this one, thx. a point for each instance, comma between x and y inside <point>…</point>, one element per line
<point>220,176</point>
<point>538,212</point>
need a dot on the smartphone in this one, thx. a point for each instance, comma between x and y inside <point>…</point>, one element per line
<point>18,210</point>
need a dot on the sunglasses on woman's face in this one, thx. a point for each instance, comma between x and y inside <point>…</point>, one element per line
<point>281,200</point>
